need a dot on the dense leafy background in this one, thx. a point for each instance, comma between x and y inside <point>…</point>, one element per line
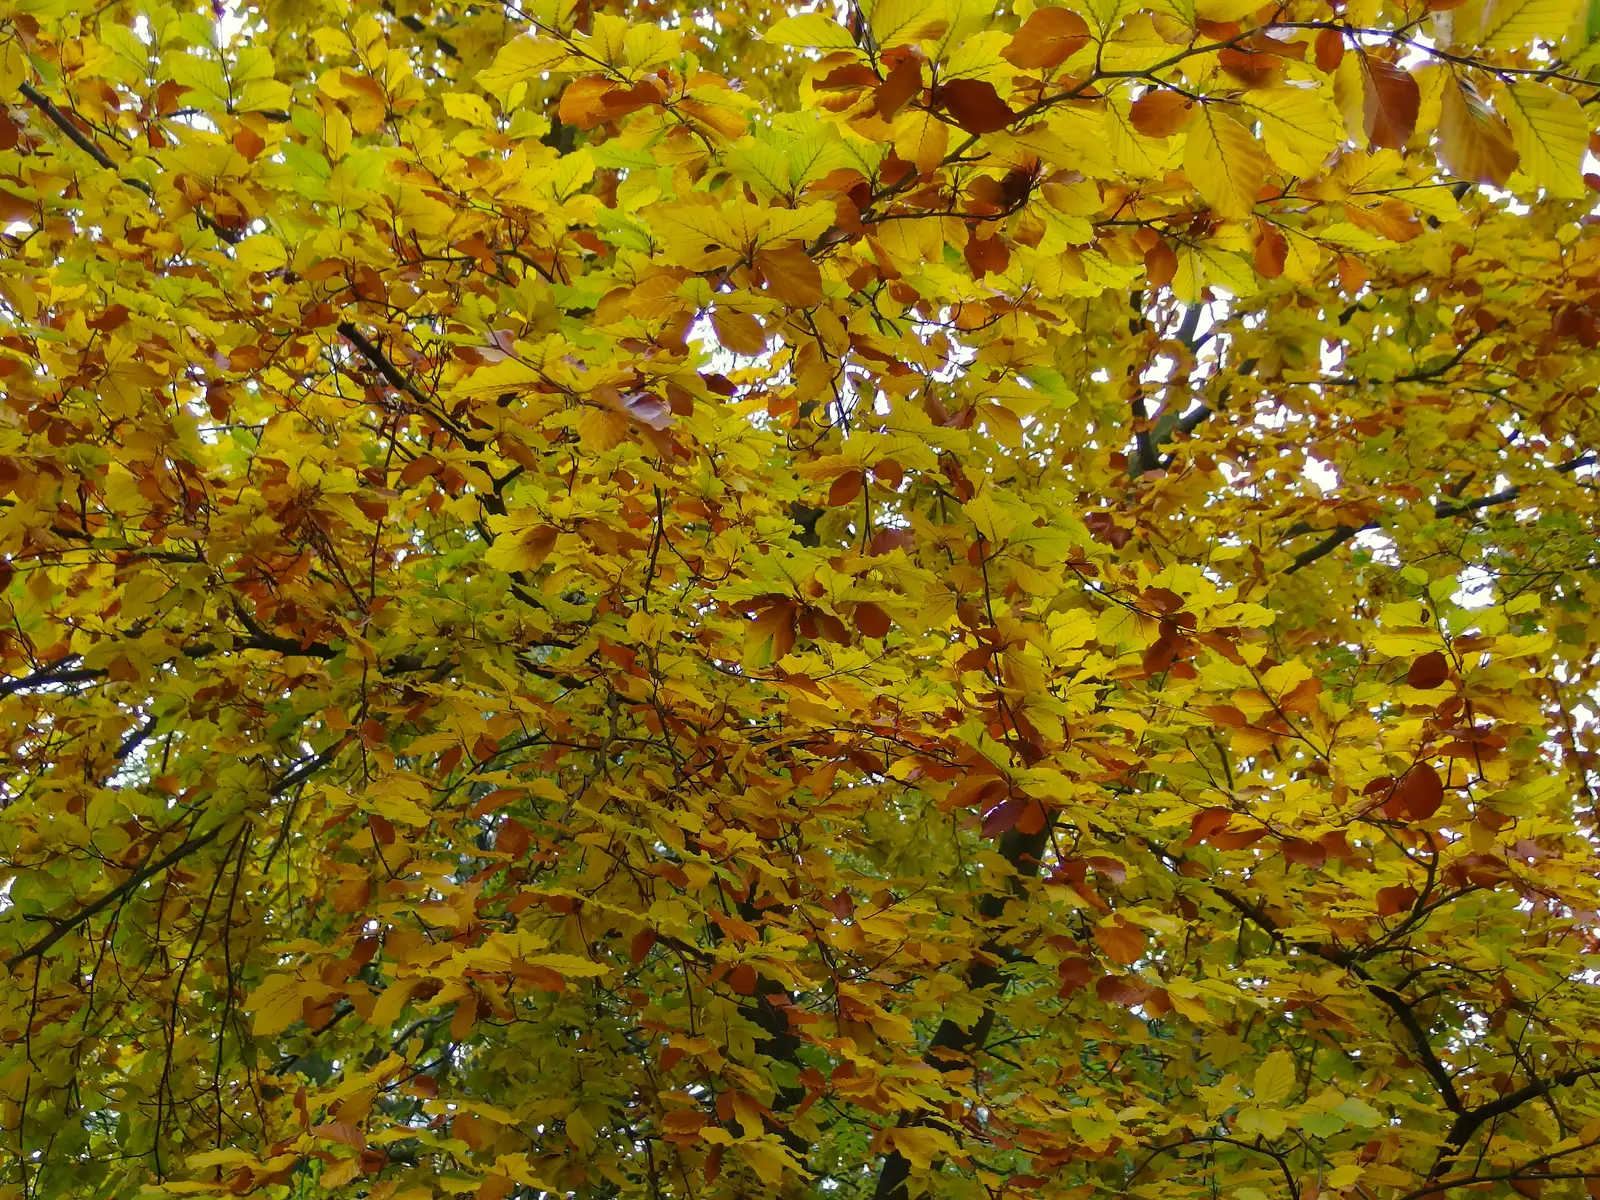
<point>910,599</point>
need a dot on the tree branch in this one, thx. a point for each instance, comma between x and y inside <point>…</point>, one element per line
<point>65,926</point>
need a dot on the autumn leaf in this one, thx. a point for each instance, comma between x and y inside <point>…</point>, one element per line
<point>1046,39</point>
<point>1474,142</point>
<point>1390,102</point>
<point>1224,162</point>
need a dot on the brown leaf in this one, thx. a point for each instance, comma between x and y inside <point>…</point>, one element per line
<point>1391,99</point>
<point>1206,824</point>
<point>1160,114</point>
<point>15,208</point>
<point>1417,796</point>
<point>985,255</point>
<point>1160,264</point>
<point>418,469</point>
<point>1126,990</point>
<point>1429,670</point>
<point>975,105</point>
<point>1074,973</point>
<point>898,86</point>
<point>1329,50</point>
<point>1397,899</point>
<point>1271,250</point>
<point>1047,39</point>
<point>742,979</point>
<point>1253,68</point>
<point>1474,143</point>
<point>1303,853</point>
<point>845,488</point>
<point>791,276</point>
<point>641,945</point>
<point>1121,941</point>
<point>872,620</point>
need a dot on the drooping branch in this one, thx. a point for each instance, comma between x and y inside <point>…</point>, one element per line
<point>1340,534</point>
<point>177,854</point>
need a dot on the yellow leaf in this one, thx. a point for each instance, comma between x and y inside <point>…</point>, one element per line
<point>464,106</point>
<point>523,550</point>
<point>276,1004</point>
<point>1550,132</point>
<point>768,1160</point>
<point>570,965</point>
<point>261,252</point>
<point>1511,24</point>
<point>522,59</point>
<point>903,22</point>
<point>921,1145</point>
<point>1300,126</point>
<point>1223,160</point>
<point>1274,1078</point>
<point>1474,143</point>
<point>921,138</point>
<point>810,31</point>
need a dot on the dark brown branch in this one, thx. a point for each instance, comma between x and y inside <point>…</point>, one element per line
<point>395,379</point>
<point>1468,1123</point>
<point>75,135</point>
<point>1343,533</point>
<point>82,141</point>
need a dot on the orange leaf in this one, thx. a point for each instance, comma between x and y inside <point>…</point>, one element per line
<point>1473,140</point>
<point>1047,39</point>
<point>1391,99</point>
<point>1160,114</point>
<point>1122,942</point>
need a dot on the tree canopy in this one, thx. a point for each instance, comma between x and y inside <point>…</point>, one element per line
<point>925,597</point>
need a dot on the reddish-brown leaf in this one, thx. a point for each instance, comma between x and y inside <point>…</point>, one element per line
<point>1390,100</point>
<point>1303,853</point>
<point>901,83</point>
<point>1160,114</point>
<point>641,944</point>
<point>1396,899</point>
<point>845,488</point>
<point>1418,795</point>
<point>1126,990</point>
<point>1046,39</point>
<point>1329,50</point>
<point>1429,670</point>
<point>1160,264</point>
<point>872,620</point>
<point>1207,823</point>
<point>985,255</point>
<point>975,105</point>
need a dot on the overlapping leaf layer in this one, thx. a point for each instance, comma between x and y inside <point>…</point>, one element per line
<point>909,599</point>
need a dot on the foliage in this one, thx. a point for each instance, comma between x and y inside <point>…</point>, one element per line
<point>905,600</point>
